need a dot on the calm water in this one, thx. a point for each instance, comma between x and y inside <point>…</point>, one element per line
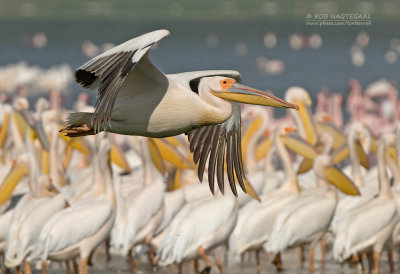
<point>186,50</point>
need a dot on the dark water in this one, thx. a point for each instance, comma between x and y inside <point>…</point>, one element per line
<point>186,50</point>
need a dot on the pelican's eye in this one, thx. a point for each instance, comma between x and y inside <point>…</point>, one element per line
<point>227,83</point>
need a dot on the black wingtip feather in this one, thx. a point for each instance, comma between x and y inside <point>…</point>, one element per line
<point>85,78</point>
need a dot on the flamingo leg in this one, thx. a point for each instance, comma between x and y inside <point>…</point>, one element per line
<point>377,258</point>
<point>311,260</point>
<point>18,270</point>
<point>27,267</point>
<point>83,266</point>
<point>278,262</point>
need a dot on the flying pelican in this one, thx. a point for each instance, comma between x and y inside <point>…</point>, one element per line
<point>136,98</point>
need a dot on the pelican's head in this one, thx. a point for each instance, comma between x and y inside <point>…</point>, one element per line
<point>228,89</point>
<point>326,170</point>
<point>304,119</point>
<point>298,95</point>
<point>20,168</point>
<point>360,132</point>
<point>21,103</point>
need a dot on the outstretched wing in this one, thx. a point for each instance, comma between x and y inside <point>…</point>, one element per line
<point>220,143</point>
<point>111,68</point>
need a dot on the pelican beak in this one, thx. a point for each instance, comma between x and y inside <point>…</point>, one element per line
<point>45,162</point>
<point>77,143</point>
<point>337,178</point>
<point>306,117</point>
<point>250,190</point>
<point>20,123</point>
<point>340,154</point>
<point>173,141</point>
<point>40,134</point>
<point>11,180</point>
<point>4,128</point>
<point>263,148</point>
<point>339,139</point>
<point>156,155</point>
<point>300,146</point>
<point>118,158</point>
<point>251,129</point>
<point>391,152</point>
<point>243,94</point>
<point>361,155</point>
<point>169,153</point>
<point>36,126</point>
<point>305,166</point>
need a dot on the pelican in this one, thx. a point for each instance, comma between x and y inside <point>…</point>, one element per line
<point>382,209</point>
<point>142,211</point>
<point>136,98</point>
<point>77,230</point>
<point>317,205</point>
<point>255,219</point>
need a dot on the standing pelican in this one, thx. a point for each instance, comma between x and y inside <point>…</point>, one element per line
<point>77,230</point>
<point>377,217</point>
<point>136,98</point>
<point>292,226</point>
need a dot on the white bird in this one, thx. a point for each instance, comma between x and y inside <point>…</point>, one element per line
<point>136,98</point>
<point>357,233</point>
<point>307,217</point>
<point>197,228</point>
<point>141,212</point>
<point>78,229</point>
<point>256,219</point>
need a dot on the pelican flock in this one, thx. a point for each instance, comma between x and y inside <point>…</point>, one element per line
<point>122,178</point>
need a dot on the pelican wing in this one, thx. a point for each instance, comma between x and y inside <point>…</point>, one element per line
<point>110,69</point>
<point>219,144</point>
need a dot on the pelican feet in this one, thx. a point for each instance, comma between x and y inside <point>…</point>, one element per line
<point>278,262</point>
<point>206,270</point>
